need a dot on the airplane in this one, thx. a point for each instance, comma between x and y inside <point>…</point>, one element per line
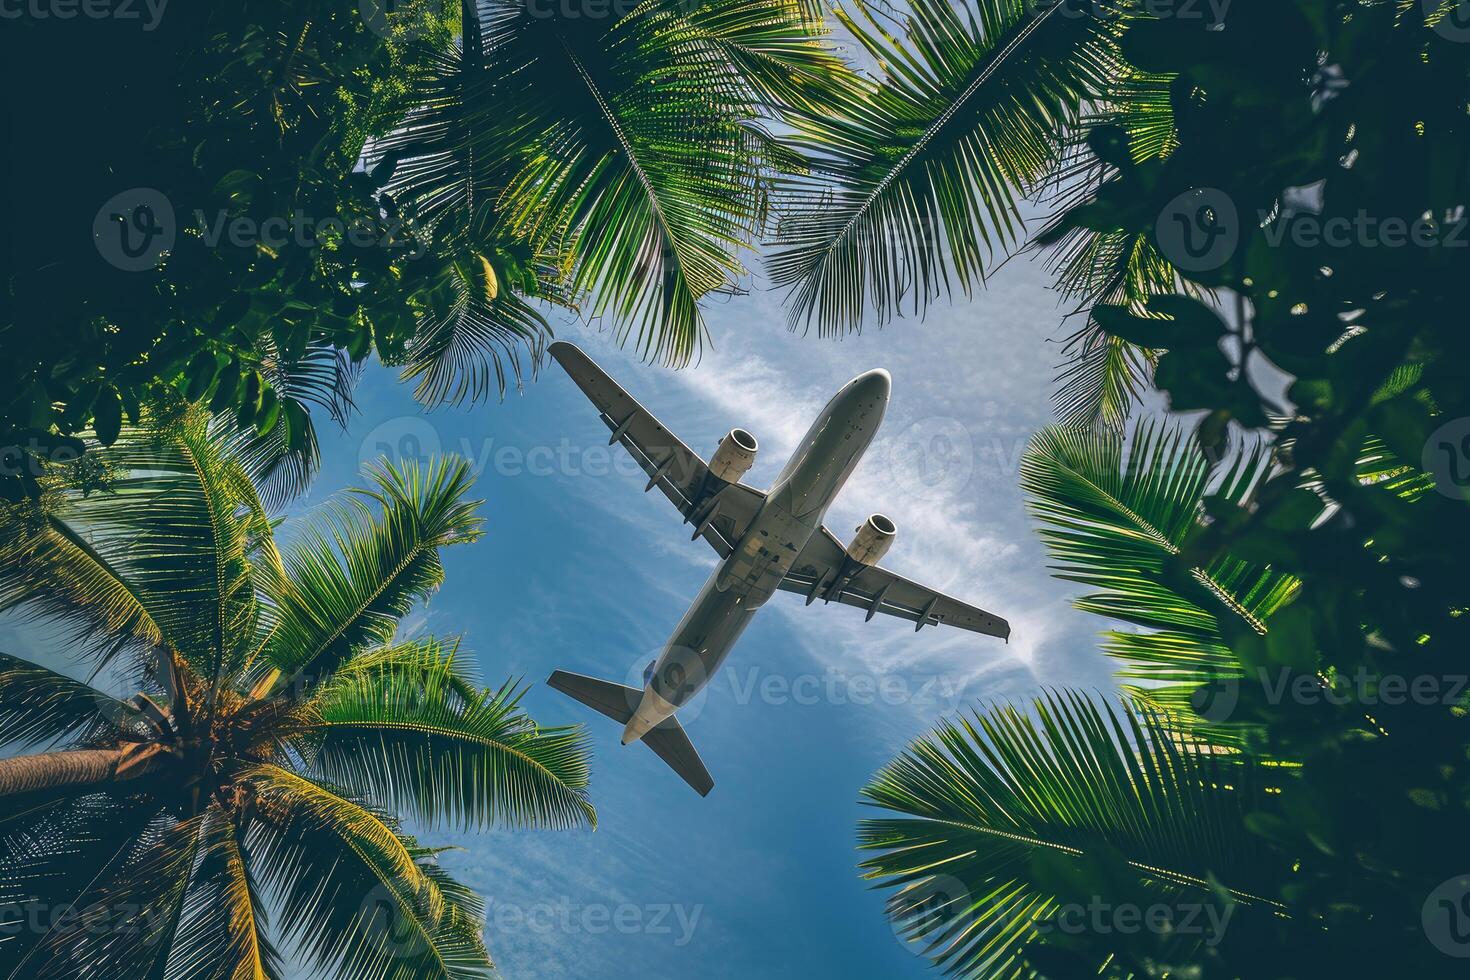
<point>766,540</point>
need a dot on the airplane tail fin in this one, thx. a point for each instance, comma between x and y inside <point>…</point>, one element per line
<point>667,739</point>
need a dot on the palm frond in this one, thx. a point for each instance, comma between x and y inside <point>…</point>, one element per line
<point>463,352</point>
<point>125,925</point>
<point>348,586</point>
<point>914,179</point>
<point>1115,515</point>
<point>52,857</point>
<point>985,805</point>
<point>52,572</point>
<point>283,461</point>
<point>620,158</point>
<point>160,554</point>
<point>413,738</point>
<point>355,894</point>
<point>223,934</point>
<point>40,705</point>
<point>424,657</point>
<point>1103,376</point>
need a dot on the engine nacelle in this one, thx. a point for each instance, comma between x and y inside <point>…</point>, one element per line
<point>735,455</point>
<point>873,539</point>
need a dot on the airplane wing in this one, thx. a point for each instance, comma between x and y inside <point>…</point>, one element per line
<point>876,589</point>
<point>673,467</point>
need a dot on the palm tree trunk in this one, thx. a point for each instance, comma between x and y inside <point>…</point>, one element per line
<point>55,770</point>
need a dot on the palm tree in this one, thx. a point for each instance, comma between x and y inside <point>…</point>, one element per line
<point>278,730</point>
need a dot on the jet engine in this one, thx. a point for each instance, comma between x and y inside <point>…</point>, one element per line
<point>735,455</point>
<point>873,539</point>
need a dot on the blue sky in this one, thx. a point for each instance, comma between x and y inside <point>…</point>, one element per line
<point>581,570</point>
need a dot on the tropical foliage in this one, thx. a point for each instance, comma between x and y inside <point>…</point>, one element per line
<point>413,181</point>
<point>245,797</point>
<point>914,175</point>
<point>1115,516</point>
<point>1003,826</point>
<point>1310,589</point>
<point>436,175</point>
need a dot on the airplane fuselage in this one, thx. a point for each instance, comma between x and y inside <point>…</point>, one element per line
<point>741,584</point>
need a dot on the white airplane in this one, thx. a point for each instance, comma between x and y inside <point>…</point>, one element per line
<point>767,541</point>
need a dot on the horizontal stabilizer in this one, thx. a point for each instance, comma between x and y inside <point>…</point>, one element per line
<point>614,700</point>
<point>673,746</point>
<point>667,739</point>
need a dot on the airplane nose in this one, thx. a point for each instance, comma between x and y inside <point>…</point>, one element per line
<point>877,380</point>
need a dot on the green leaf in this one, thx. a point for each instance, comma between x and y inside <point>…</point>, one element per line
<point>200,375</point>
<point>107,415</point>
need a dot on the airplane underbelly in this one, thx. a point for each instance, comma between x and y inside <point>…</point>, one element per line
<point>701,642</point>
<point>761,560</point>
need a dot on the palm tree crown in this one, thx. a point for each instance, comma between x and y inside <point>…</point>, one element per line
<point>278,725</point>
